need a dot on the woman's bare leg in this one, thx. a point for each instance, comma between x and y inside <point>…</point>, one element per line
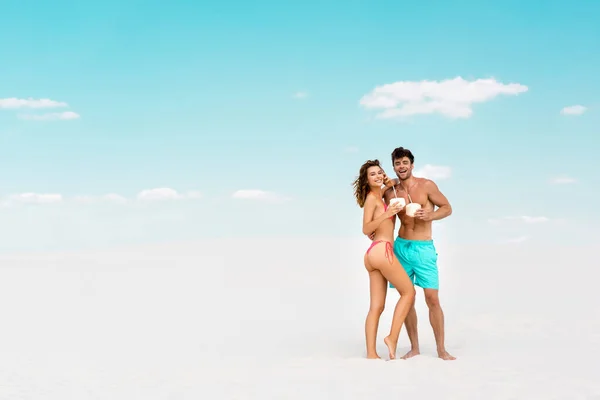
<point>378,291</point>
<point>391,269</point>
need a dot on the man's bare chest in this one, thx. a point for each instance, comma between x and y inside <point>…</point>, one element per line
<point>412,195</point>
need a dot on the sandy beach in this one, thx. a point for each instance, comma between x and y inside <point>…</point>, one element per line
<point>282,318</point>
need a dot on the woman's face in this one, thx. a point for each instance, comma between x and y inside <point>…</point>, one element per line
<point>375,176</point>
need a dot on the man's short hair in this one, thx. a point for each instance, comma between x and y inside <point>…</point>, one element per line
<point>401,152</point>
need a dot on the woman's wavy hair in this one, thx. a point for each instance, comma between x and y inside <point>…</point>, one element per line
<point>361,184</point>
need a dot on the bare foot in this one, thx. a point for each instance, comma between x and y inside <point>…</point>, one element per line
<point>410,354</point>
<point>373,356</point>
<point>444,355</point>
<point>391,347</point>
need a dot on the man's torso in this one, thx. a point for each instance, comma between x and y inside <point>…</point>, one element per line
<point>412,228</point>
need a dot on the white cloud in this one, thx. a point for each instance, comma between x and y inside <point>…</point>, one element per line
<point>63,116</point>
<point>573,110</point>
<point>519,239</point>
<point>524,218</point>
<point>451,97</point>
<point>533,220</point>
<point>84,199</point>
<point>194,194</point>
<point>13,103</point>
<point>300,95</point>
<point>144,195</point>
<point>159,194</point>
<point>35,198</point>
<point>563,180</point>
<point>114,198</point>
<point>255,194</point>
<point>433,172</point>
<point>107,198</point>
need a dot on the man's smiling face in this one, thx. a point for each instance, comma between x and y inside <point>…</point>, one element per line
<point>403,168</point>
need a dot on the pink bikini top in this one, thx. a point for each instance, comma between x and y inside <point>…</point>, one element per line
<point>385,207</point>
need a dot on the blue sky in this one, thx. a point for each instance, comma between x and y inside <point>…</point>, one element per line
<point>203,100</point>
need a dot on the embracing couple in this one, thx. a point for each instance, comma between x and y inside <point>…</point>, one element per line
<point>409,259</point>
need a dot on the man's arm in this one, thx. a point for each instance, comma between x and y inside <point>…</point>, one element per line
<point>438,199</point>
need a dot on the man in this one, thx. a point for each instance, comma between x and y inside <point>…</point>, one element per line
<point>414,246</point>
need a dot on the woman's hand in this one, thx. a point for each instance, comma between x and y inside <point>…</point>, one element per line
<point>387,182</point>
<point>394,209</point>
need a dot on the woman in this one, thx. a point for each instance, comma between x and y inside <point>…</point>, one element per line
<point>380,261</point>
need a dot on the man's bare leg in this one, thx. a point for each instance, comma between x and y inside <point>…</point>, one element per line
<point>436,318</point>
<point>411,329</point>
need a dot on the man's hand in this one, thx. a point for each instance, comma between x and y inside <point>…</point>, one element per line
<point>424,215</point>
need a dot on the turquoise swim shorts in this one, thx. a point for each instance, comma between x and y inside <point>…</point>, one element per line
<point>419,259</point>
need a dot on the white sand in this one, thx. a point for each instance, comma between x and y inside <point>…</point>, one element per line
<point>283,319</point>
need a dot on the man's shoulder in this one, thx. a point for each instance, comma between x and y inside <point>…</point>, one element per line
<point>426,183</point>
